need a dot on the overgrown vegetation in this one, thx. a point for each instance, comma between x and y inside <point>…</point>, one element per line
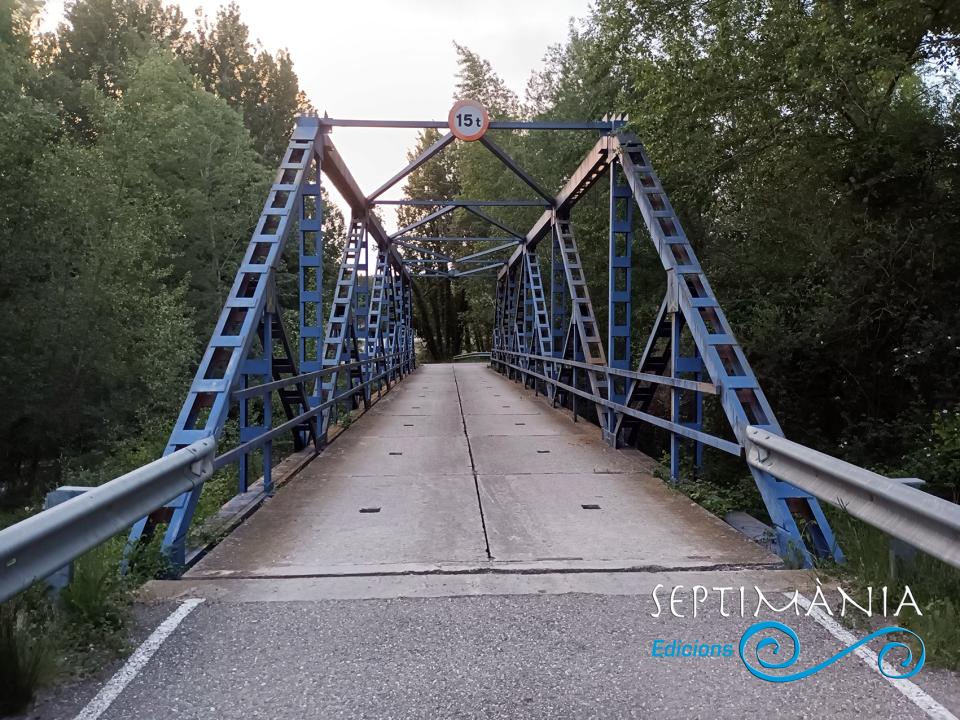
<point>135,151</point>
<point>44,638</point>
<point>935,585</point>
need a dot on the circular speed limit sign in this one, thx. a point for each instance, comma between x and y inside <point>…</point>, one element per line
<point>468,120</point>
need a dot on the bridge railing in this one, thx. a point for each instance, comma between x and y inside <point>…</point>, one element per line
<point>38,546</point>
<point>924,521</point>
<point>472,357</point>
<point>34,548</point>
<point>390,367</point>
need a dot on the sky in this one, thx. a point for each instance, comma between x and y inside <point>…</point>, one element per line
<point>377,59</point>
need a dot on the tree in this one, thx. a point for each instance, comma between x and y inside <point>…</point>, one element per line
<point>264,89</point>
<point>815,167</point>
<point>438,305</point>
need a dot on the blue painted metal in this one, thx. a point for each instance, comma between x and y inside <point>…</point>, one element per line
<point>512,166</point>
<point>310,281</point>
<point>619,289</point>
<point>538,324</point>
<point>742,399</point>
<point>603,126</point>
<point>340,340</point>
<point>447,239</point>
<point>475,271</point>
<point>484,253</point>
<point>492,220</point>
<point>373,343</point>
<point>465,203</point>
<point>559,299</point>
<point>368,340</point>
<point>585,330</point>
<point>689,303</point>
<point>423,157</point>
<point>207,406</point>
<point>447,208</point>
<point>259,366</point>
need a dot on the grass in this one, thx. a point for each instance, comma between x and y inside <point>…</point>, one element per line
<point>934,584</point>
<point>43,639</point>
<point>27,655</point>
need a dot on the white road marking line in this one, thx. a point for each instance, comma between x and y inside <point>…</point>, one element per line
<point>136,662</point>
<point>913,693</point>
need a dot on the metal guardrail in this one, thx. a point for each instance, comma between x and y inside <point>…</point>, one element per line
<point>927,522</point>
<point>472,356</point>
<point>36,547</point>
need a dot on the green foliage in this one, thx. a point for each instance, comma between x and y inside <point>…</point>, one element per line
<point>27,654</point>
<point>935,585</point>
<point>94,608</point>
<point>44,638</point>
<point>130,174</point>
<point>938,460</point>
<point>264,89</point>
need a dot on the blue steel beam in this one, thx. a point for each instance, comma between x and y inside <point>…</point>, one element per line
<point>466,203</point>
<point>482,253</point>
<point>417,248</point>
<point>587,173</point>
<point>512,166</point>
<point>604,126</point>
<point>423,157</point>
<point>477,270</point>
<point>423,221</point>
<point>493,221</point>
<point>742,400</point>
<point>207,406</point>
<point>423,238</point>
<point>619,288</point>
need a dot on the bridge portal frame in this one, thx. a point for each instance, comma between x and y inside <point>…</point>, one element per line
<point>556,345</point>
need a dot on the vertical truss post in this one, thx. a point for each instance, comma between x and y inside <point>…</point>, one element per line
<point>339,343</point>
<point>389,324</point>
<point>539,322</point>
<point>410,356</point>
<point>559,297</point>
<point>676,330</point>
<point>376,319</point>
<point>655,360</point>
<point>361,304</point>
<point>311,242</point>
<point>584,319</point>
<point>528,318</point>
<point>498,311</point>
<point>619,315</point>
<point>396,341</point>
<point>518,321</point>
<point>259,368</point>
<point>510,339</point>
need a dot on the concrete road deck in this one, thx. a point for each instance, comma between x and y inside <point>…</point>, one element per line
<point>459,468</point>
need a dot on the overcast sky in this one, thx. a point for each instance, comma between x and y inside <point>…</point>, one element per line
<point>393,58</point>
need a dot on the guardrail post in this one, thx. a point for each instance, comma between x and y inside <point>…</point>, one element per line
<point>62,576</point>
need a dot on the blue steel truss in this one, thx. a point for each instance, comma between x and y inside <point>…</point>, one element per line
<point>711,363</point>
<point>249,356</point>
<point>551,342</point>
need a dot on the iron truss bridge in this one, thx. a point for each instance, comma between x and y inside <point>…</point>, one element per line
<point>546,335</point>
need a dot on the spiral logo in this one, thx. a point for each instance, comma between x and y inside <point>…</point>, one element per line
<point>773,644</point>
